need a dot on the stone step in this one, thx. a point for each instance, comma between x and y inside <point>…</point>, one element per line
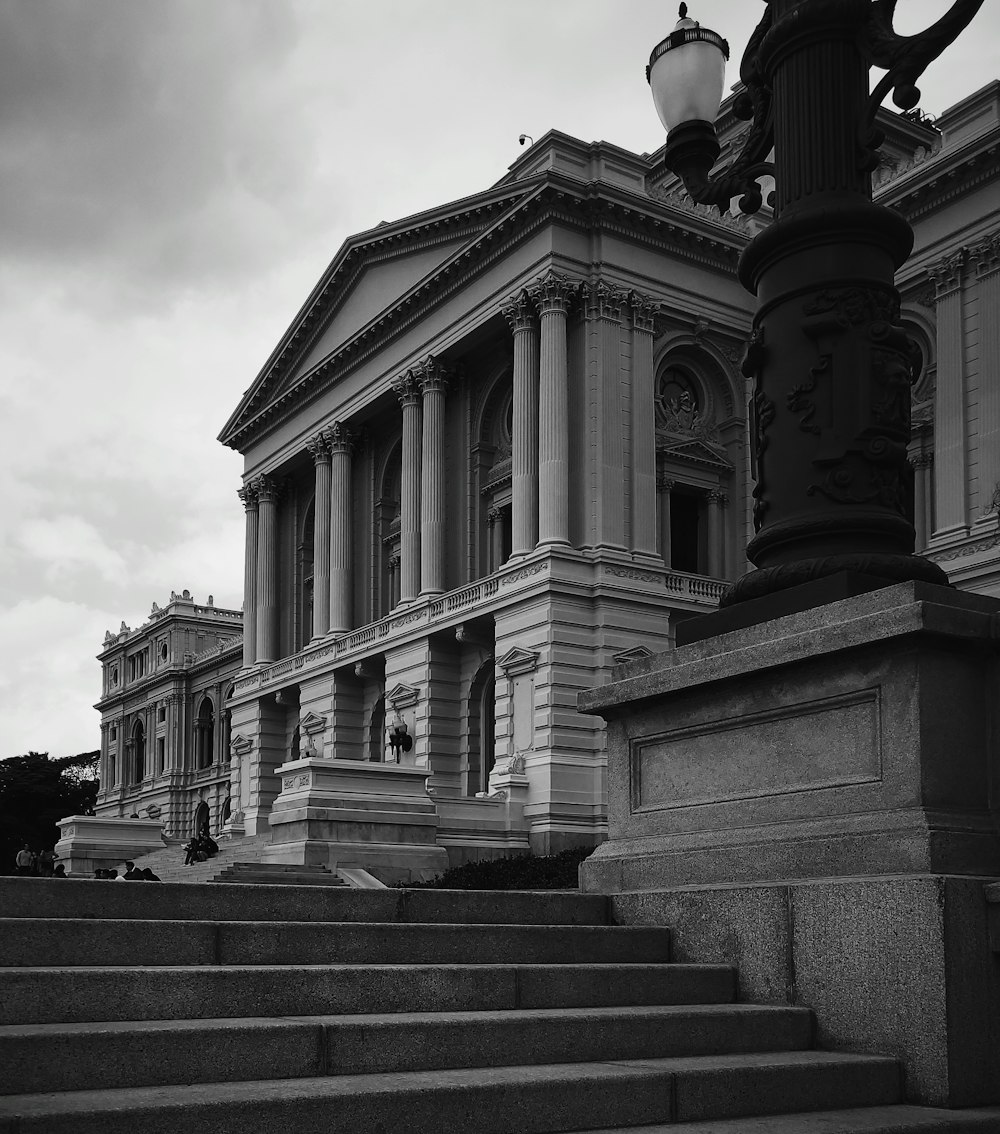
<point>94,899</point>
<point>526,1099</point>
<point>857,1120</point>
<point>135,1054</point>
<point>278,874</point>
<point>56,941</point>
<point>77,995</point>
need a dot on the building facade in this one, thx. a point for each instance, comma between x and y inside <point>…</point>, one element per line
<point>502,447</point>
<point>164,717</point>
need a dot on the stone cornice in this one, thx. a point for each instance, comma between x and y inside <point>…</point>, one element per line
<point>553,198</point>
<point>943,177</point>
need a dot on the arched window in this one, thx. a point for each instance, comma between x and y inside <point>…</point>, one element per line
<point>138,752</point>
<point>205,734</point>
<point>492,463</point>
<point>201,819</point>
<point>482,720</point>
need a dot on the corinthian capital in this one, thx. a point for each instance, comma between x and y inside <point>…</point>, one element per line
<point>552,292</point>
<point>946,274</point>
<point>319,447</point>
<point>987,254</point>
<point>248,494</point>
<point>432,375</point>
<point>267,487</point>
<point>603,301</point>
<point>339,438</point>
<point>519,311</point>
<point>407,389</point>
<point>644,311</point>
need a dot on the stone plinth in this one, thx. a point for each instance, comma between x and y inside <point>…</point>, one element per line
<point>851,739</point>
<point>340,812</point>
<point>88,843</point>
<point>814,800</point>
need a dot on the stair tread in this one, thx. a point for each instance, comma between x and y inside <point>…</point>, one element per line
<point>895,1119</point>
<point>443,1018</point>
<point>334,1086</point>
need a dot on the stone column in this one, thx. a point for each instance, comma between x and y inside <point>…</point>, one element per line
<point>987,258</point>
<point>949,397</point>
<point>664,485</point>
<point>643,425</point>
<point>604,309</point>
<point>519,312</point>
<point>248,494</point>
<point>267,569</point>
<point>394,564</point>
<point>319,446</point>
<point>408,391</point>
<point>552,295</point>
<point>717,502</point>
<point>433,381</point>
<point>341,441</point>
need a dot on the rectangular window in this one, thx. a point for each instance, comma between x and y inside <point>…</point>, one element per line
<point>161,714</point>
<point>161,753</point>
<point>114,733</point>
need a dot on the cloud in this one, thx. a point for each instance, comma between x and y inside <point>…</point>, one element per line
<point>65,544</point>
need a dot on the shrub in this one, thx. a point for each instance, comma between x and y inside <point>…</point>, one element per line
<point>512,872</point>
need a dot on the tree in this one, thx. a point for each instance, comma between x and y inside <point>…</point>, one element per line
<point>35,791</point>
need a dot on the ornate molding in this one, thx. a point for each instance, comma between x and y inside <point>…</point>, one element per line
<point>432,376</point>
<point>636,653</point>
<point>407,389</point>
<point>519,311</point>
<point>644,311</point>
<point>240,745</point>
<point>268,488</point>
<point>604,301</point>
<point>986,255</point>
<point>319,447</point>
<point>340,438</point>
<point>312,724</point>
<point>517,660</point>
<point>552,292</point>
<point>248,497</point>
<point>402,696</point>
<point>946,274</point>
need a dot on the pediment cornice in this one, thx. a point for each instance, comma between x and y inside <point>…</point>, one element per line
<point>550,197</point>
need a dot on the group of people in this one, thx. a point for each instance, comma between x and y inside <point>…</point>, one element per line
<point>200,848</point>
<point>131,874</point>
<point>41,864</point>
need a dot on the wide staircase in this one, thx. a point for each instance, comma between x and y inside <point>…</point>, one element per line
<point>168,864</point>
<point>237,1009</point>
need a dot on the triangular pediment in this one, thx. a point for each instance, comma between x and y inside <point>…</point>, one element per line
<point>312,724</point>
<point>692,451</point>
<point>400,696</point>
<point>518,660</point>
<point>636,653</point>
<point>373,275</point>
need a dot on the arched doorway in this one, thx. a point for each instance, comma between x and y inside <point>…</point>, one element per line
<point>205,734</point>
<point>201,818</point>
<point>376,732</point>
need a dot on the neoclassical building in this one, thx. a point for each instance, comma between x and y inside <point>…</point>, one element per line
<point>164,716</point>
<point>502,446</point>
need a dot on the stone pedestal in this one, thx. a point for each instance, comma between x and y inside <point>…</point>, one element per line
<point>340,812</point>
<point>88,843</point>
<point>833,772</point>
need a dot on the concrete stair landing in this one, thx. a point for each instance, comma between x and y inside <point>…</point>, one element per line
<point>243,1009</point>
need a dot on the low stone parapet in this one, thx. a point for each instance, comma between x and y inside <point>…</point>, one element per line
<point>89,842</point>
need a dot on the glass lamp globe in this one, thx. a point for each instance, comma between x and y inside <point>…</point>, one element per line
<point>686,73</point>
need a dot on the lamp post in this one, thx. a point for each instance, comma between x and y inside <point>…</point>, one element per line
<point>830,362</point>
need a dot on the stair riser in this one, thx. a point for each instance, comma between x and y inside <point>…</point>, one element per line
<point>545,1105</point>
<point>57,942</point>
<point>208,901</point>
<point>96,1058</point>
<point>82,995</point>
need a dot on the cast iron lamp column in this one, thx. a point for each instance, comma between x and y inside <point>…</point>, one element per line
<point>830,362</point>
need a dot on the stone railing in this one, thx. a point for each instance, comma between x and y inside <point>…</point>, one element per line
<point>694,586</point>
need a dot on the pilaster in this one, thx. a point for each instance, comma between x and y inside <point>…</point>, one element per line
<point>603,307</point>
<point>643,487</point>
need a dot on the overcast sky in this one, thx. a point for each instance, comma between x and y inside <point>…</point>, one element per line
<point>174,177</point>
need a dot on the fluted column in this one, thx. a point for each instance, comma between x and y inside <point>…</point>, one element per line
<point>433,381</point>
<point>643,422</point>
<point>248,494</point>
<point>519,312</point>
<point>922,499</point>
<point>552,295</point>
<point>949,397</point>
<point>987,259</point>
<point>341,441</point>
<point>319,446</point>
<point>717,502</point>
<point>408,391</point>
<point>267,569</point>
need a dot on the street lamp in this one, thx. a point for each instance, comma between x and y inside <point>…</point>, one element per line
<point>830,362</point>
